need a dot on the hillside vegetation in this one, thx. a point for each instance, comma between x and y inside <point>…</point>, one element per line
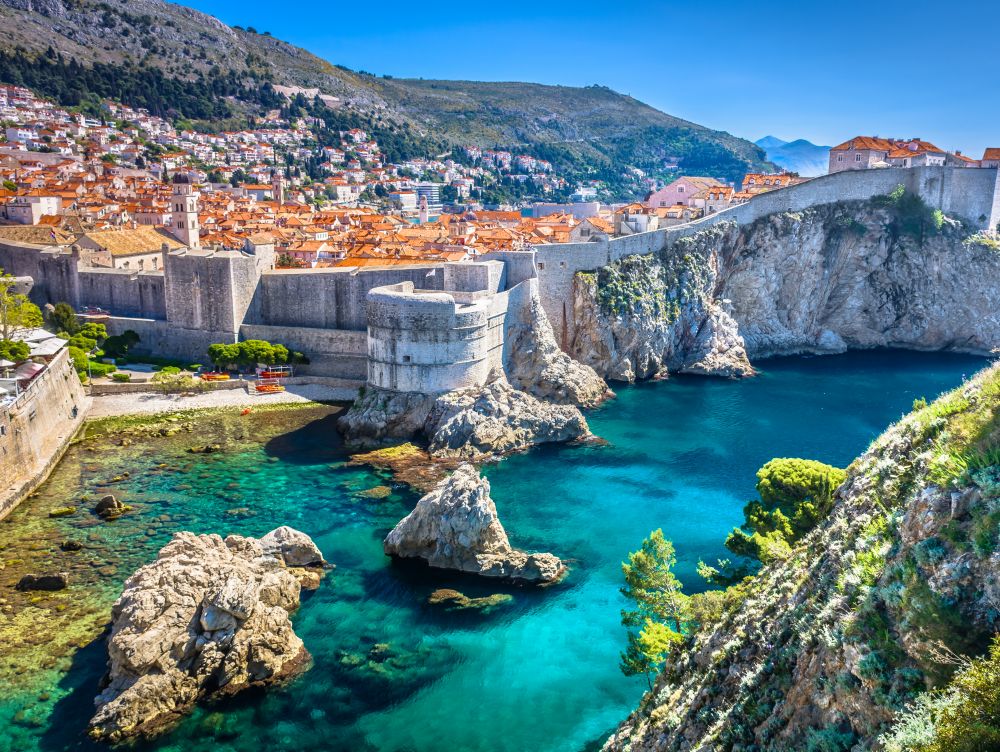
<point>857,632</point>
<point>586,132</point>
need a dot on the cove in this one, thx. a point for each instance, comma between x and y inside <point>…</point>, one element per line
<point>390,671</point>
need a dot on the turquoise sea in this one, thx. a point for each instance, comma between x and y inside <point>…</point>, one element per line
<point>539,674</point>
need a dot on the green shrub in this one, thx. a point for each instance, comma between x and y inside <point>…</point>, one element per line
<point>795,495</point>
<point>13,350</point>
<point>121,377</point>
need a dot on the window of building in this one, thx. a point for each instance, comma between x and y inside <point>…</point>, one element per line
<point>541,265</point>
<point>406,358</point>
<point>857,157</point>
<point>680,189</point>
<point>840,157</point>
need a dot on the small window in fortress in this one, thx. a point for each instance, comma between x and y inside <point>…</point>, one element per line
<point>541,265</point>
<point>562,264</point>
<point>3,430</point>
<point>406,358</point>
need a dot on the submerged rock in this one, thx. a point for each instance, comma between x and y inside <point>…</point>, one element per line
<point>58,581</point>
<point>110,508</point>
<point>207,617</point>
<point>455,526</point>
<point>62,512</point>
<point>454,600</point>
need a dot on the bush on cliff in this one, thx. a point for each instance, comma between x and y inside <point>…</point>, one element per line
<point>795,495</point>
<point>911,214</point>
<point>964,717</point>
<point>63,319</point>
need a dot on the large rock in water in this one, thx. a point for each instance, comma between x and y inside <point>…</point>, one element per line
<point>455,526</point>
<point>471,423</point>
<point>207,617</point>
<point>496,420</point>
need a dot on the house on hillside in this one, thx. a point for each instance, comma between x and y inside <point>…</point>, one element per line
<point>139,248</point>
<point>991,158</point>
<point>685,191</point>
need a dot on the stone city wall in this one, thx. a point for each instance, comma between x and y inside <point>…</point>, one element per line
<point>332,352</point>
<point>969,193</point>
<point>36,429</point>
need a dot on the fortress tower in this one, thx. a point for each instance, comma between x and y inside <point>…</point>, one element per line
<point>184,207</point>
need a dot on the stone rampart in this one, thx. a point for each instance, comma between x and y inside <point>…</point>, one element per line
<point>36,429</point>
<point>969,193</point>
<point>332,352</point>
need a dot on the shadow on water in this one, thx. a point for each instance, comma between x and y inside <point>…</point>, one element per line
<point>66,728</point>
<point>314,443</point>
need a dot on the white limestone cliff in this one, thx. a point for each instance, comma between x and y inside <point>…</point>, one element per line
<point>837,276</point>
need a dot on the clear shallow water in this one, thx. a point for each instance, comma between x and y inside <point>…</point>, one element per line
<point>538,674</point>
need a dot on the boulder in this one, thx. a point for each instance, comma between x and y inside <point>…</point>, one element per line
<point>292,548</point>
<point>207,617</point>
<point>58,581</point>
<point>110,508</point>
<point>498,419</point>
<point>455,526</point>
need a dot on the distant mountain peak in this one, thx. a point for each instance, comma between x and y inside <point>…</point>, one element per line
<point>800,155</point>
<point>770,142</point>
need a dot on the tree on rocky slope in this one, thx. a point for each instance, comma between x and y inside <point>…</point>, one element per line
<point>795,495</point>
<point>661,608</point>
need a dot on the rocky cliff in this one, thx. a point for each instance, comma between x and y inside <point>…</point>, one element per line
<point>821,650</point>
<point>886,272</point>
<point>207,617</point>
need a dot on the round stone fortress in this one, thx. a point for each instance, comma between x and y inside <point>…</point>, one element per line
<point>429,341</point>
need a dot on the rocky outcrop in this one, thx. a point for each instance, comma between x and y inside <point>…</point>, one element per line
<point>207,617</point>
<point>644,317</point>
<point>110,508</point>
<point>819,651</point>
<point>837,276</point>
<point>472,423</point>
<point>497,420</point>
<point>455,526</point>
<point>537,366</point>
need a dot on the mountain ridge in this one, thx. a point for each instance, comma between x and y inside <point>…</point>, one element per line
<point>585,131</point>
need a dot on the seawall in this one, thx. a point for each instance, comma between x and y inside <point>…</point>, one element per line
<point>36,429</point>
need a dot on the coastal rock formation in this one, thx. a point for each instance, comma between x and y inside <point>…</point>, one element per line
<point>455,526</point>
<point>496,420</point>
<point>644,317</point>
<point>878,273</point>
<point>537,366</point>
<point>471,423</point>
<point>207,617</point>
<point>823,649</point>
<point>380,417</point>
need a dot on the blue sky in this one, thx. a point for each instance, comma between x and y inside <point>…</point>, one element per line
<point>822,71</point>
